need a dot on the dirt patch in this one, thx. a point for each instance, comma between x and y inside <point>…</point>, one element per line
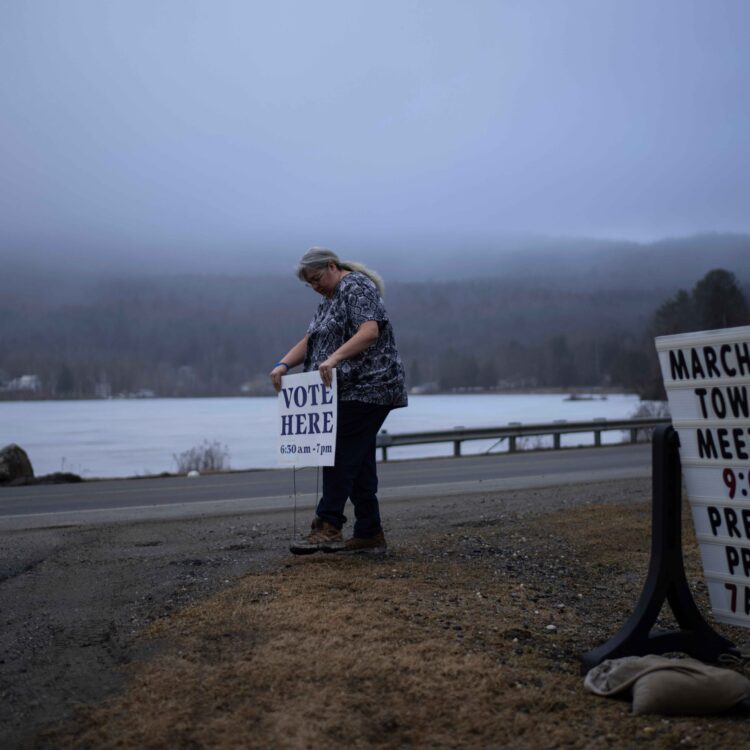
<point>74,600</point>
<point>465,636</point>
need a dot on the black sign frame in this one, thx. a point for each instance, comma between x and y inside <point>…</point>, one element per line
<point>665,580</point>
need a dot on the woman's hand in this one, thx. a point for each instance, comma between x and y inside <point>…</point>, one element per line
<point>276,374</point>
<point>366,335</point>
<point>326,370</point>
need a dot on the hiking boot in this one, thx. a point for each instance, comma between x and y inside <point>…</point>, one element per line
<point>374,545</point>
<point>323,537</point>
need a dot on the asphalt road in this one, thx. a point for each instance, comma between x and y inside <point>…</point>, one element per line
<point>273,490</point>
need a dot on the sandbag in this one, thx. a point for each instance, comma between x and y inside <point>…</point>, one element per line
<point>673,687</point>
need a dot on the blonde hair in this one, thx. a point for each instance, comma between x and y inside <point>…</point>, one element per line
<point>319,257</point>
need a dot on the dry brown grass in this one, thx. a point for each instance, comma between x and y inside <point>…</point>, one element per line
<point>442,644</point>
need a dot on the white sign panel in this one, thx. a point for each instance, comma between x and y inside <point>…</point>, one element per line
<point>307,420</point>
<point>707,378</point>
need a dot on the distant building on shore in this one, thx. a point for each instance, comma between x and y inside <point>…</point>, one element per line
<point>29,383</point>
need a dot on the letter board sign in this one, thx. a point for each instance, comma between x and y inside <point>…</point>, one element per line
<point>707,379</point>
<point>307,420</point>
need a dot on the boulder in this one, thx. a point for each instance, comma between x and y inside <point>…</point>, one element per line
<point>15,466</point>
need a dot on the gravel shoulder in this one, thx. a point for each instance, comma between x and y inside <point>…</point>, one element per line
<point>89,613</point>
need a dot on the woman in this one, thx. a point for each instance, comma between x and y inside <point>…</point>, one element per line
<point>350,332</point>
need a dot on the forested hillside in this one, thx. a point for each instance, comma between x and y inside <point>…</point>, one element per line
<point>181,334</point>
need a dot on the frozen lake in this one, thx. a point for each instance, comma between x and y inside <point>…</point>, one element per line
<point>121,438</point>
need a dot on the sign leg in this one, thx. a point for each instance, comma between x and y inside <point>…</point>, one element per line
<point>666,579</point>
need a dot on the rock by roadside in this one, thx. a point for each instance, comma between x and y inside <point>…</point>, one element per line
<point>16,470</point>
<point>15,467</point>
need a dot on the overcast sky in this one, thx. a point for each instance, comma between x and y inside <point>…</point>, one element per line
<point>175,126</point>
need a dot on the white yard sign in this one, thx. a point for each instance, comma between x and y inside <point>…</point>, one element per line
<point>307,420</point>
<point>707,378</point>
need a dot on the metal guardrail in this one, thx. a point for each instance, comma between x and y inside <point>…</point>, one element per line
<point>515,430</point>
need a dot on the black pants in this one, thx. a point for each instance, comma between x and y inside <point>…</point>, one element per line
<point>354,476</point>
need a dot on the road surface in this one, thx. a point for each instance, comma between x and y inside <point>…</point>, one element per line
<point>273,490</point>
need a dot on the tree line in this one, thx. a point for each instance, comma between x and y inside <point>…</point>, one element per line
<point>219,336</point>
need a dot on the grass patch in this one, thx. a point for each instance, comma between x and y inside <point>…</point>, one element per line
<point>446,642</point>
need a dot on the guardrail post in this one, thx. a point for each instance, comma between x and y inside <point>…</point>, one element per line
<point>512,447</point>
<point>598,433</point>
<point>383,441</point>
<point>556,437</point>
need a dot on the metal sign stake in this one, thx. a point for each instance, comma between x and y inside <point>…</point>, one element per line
<point>666,579</point>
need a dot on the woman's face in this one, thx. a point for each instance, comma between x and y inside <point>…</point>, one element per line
<point>323,280</point>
